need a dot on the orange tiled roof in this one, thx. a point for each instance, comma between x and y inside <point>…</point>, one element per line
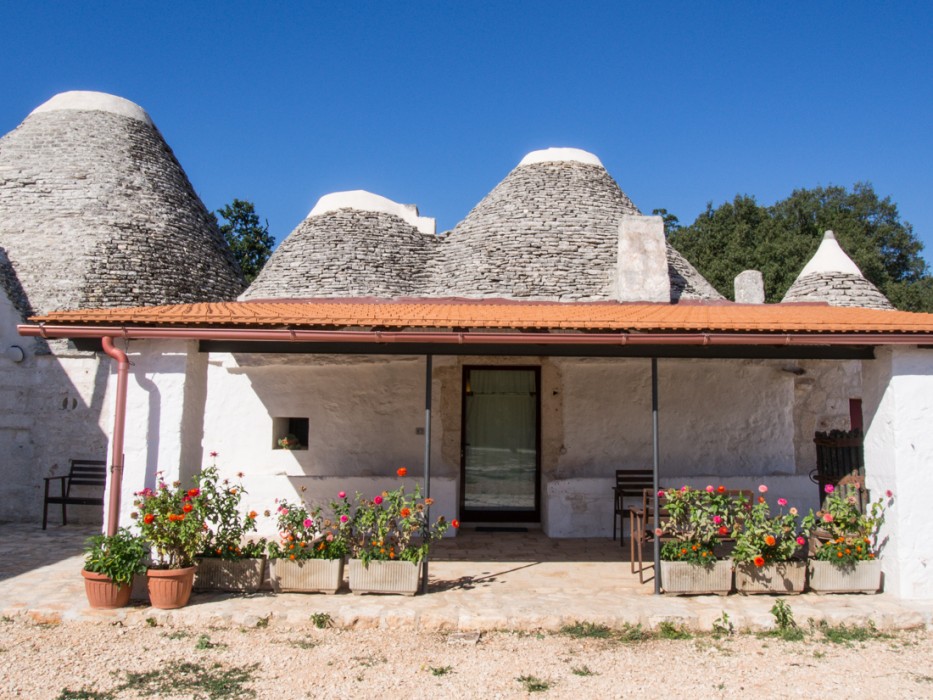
<point>507,315</point>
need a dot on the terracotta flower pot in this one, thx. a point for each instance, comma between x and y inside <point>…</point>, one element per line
<point>384,577</point>
<point>170,588</point>
<point>102,593</point>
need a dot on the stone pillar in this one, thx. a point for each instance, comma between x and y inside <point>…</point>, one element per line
<point>898,406</point>
<point>641,271</point>
<point>749,288</point>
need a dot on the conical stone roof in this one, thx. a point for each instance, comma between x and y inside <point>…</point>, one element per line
<point>548,231</point>
<point>95,211</point>
<point>351,244</point>
<point>832,277</point>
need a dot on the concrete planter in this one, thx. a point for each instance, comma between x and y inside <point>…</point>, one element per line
<point>782,577</point>
<point>307,576</point>
<point>683,578</point>
<point>860,577</point>
<point>235,575</point>
<point>385,577</point>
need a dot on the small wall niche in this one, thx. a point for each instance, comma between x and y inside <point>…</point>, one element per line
<point>294,430</point>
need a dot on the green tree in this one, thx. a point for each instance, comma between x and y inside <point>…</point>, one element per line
<point>780,239</point>
<point>671,222</point>
<point>250,241</point>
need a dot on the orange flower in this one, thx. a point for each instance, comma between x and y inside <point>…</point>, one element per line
<point>428,501</point>
<point>187,507</point>
<point>759,561</point>
<point>405,512</point>
<point>291,556</point>
<point>401,471</point>
<point>683,551</point>
<point>252,515</point>
<point>694,548</point>
<point>721,489</point>
<point>839,554</point>
<point>769,540</point>
<point>761,499</point>
<point>149,518</point>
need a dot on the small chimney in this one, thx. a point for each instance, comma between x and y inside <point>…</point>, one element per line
<point>749,288</point>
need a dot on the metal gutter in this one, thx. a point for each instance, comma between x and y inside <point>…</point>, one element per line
<point>705,338</point>
<point>119,429</point>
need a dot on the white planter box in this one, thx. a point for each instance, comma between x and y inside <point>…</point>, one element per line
<point>683,578</point>
<point>861,577</point>
<point>385,577</point>
<point>783,577</point>
<point>307,576</point>
<point>236,575</point>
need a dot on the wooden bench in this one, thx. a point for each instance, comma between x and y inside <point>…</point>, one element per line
<point>84,473</point>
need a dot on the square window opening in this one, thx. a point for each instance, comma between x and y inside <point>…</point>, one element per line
<point>289,433</point>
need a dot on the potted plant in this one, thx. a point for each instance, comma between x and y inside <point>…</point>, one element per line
<point>390,536</point>
<point>171,520</point>
<point>767,547</point>
<point>309,556</point>
<point>230,561</point>
<point>846,557</point>
<point>109,567</point>
<point>696,520</point>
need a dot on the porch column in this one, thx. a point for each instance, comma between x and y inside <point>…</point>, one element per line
<point>655,450</point>
<point>428,367</point>
<point>898,412</point>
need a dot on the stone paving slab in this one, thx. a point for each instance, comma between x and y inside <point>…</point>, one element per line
<point>477,582</point>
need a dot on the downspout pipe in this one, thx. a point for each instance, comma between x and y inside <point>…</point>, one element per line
<point>119,428</point>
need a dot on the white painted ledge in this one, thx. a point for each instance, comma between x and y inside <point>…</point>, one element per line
<point>83,100</point>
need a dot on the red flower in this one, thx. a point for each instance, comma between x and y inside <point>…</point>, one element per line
<point>214,453</point>
<point>721,489</point>
<point>187,507</point>
<point>402,471</point>
<point>723,531</point>
<point>455,523</point>
<point>759,561</point>
<point>405,512</point>
<point>149,518</point>
<point>194,492</point>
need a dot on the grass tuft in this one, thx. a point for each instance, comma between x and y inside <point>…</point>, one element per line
<point>586,630</point>
<point>533,684</point>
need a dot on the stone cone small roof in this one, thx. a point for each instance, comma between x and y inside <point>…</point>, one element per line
<point>351,244</point>
<point>831,276</point>
<point>95,211</point>
<point>548,231</point>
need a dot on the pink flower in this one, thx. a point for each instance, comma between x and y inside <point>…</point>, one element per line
<point>829,488</point>
<point>342,494</point>
<point>308,522</point>
<point>827,517</point>
<point>214,454</point>
<point>683,489</point>
<point>801,541</point>
<point>344,518</point>
<point>377,500</point>
<point>717,519</point>
<point>710,489</point>
<point>762,489</point>
<point>889,493</point>
<point>659,532</point>
<point>660,494</point>
<point>782,502</point>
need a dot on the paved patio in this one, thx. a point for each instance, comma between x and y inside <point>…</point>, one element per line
<point>478,581</point>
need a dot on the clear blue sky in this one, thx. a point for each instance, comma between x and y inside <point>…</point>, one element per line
<point>434,102</point>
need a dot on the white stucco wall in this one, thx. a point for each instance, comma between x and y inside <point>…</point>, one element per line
<point>50,412</point>
<point>898,407</point>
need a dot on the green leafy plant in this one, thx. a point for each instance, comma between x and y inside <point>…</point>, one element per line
<point>305,533</point>
<point>763,538</point>
<point>192,679</point>
<point>171,519</point>
<point>669,630</point>
<point>440,670</point>
<point>533,684</point>
<point>394,526</point>
<point>697,519</point>
<point>321,620</point>
<point>119,557</point>
<point>723,626</point>
<point>847,534</point>
<point>227,527</point>
<point>583,671</point>
<point>586,630</point>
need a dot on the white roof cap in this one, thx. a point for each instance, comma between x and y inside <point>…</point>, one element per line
<point>557,155</point>
<point>94,102</point>
<point>830,257</point>
<point>367,201</point>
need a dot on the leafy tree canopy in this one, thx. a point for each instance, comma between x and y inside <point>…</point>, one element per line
<point>250,241</point>
<point>780,239</point>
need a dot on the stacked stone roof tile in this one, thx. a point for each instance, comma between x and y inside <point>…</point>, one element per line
<point>95,211</point>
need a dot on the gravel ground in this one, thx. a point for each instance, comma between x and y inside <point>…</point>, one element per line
<point>87,660</point>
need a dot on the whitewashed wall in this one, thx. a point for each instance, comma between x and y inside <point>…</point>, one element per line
<point>50,412</point>
<point>899,457</point>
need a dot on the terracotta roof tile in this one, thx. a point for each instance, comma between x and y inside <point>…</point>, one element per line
<point>508,315</point>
